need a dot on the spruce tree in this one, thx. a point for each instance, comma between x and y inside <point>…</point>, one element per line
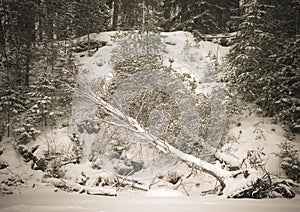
<point>264,60</point>
<point>90,16</point>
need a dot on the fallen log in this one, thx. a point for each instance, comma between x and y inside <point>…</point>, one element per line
<point>126,181</point>
<point>74,187</point>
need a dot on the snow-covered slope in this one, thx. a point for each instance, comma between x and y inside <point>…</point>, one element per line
<point>249,132</point>
<point>187,58</point>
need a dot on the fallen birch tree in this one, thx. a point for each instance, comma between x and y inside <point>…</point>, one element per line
<point>227,179</point>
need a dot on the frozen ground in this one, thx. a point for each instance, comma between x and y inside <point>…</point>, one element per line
<point>46,200</point>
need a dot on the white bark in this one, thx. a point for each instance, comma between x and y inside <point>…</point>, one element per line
<point>131,124</point>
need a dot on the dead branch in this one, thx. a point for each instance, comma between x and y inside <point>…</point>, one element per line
<point>127,181</point>
<point>132,184</point>
<point>74,187</point>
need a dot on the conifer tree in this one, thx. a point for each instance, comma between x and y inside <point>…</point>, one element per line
<point>90,16</point>
<point>265,58</point>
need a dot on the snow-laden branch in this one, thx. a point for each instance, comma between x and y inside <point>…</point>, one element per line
<point>132,124</point>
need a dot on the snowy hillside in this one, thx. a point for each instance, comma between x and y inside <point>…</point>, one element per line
<point>141,176</point>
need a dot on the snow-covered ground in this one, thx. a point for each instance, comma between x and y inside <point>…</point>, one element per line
<point>251,133</point>
<point>46,200</point>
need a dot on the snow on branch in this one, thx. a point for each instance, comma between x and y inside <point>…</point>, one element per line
<point>132,124</point>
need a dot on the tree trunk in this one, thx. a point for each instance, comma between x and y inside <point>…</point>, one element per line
<point>8,125</point>
<point>115,14</point>
<point>89,48</point>
<point>27,67</point>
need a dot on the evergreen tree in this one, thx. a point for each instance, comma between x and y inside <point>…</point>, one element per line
<point>90,16</point>
<point>209,16</point>
<point>290,160</point>
<point>42,96</point>
<point>11,103</point>
<point>265,59</point>
<point>31,58</point>
<point>17,38</point>
<point>152,16</point>
<point>131,14</point>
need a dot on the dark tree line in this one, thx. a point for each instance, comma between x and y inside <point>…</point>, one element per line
<point>205,16</point>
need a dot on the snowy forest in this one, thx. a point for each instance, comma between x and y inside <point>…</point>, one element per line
<point>142,105</point>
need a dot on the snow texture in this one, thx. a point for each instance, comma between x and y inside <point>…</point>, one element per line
<point>48,201</point>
